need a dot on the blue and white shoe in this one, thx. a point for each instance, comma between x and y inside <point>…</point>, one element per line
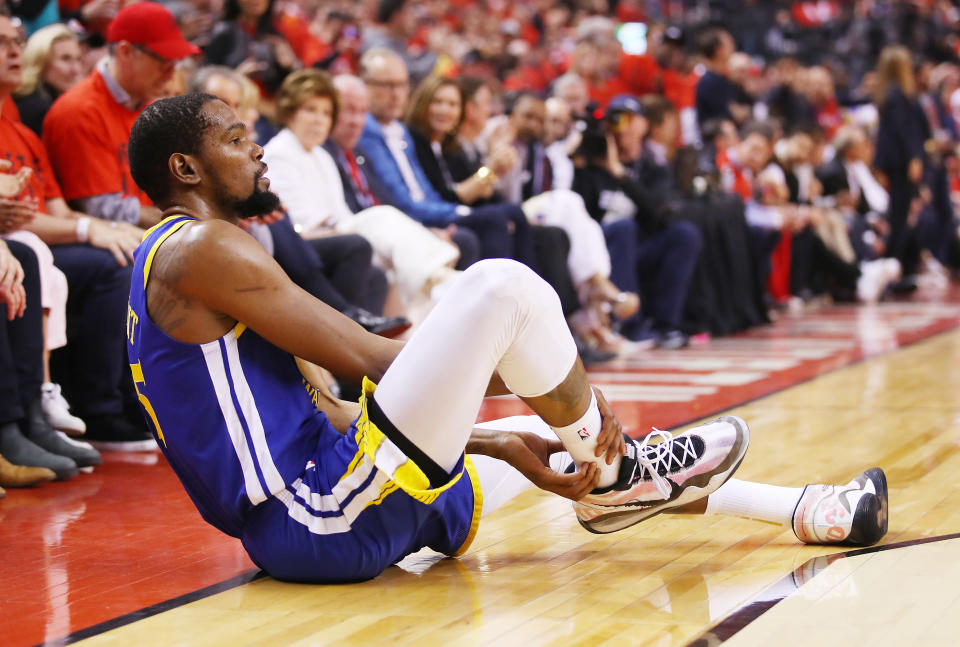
<point>675,471</point>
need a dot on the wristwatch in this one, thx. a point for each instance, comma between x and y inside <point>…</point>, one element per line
<point>484,174</point>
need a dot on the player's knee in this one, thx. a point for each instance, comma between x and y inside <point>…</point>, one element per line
<point>503,281</point>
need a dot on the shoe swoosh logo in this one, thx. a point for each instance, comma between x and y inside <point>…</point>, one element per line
<point>675,489</point>
<point>845,501</point>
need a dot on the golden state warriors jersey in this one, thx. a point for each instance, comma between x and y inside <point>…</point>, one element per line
<point>232,416</point>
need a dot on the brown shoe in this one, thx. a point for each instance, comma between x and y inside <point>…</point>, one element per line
<point>20,476</point>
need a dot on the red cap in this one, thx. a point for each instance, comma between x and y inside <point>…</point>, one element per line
<point>153,26</point>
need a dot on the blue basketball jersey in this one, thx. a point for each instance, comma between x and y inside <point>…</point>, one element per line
<point>237,422</point>
<point>232,416</point>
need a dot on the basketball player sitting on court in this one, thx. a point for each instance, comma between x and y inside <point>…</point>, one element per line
<point>321,490</point>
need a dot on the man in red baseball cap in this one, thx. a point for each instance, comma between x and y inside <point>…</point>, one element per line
<point>87,128</point>
<point>85,134</point>
<point>150,25</point>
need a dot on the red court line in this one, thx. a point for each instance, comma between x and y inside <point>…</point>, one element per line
<point>638,417</point>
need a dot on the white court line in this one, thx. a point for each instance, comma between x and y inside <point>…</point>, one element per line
<point>705,364</point>
<point>718,378</point>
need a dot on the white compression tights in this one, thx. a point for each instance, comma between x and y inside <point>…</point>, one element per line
<point>497,316</point>
<point>500,482</point>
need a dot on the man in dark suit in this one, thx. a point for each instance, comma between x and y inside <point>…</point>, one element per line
<point>360,185</point>
<point>849,185</point>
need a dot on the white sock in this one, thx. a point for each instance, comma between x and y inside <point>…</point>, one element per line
<point>755,501</point>
<point>579,438</point>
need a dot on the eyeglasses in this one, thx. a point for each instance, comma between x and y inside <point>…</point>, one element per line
<point>8,43</point>
<point>389,85</point>
<point>156,57</point>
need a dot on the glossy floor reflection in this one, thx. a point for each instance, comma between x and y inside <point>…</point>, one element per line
<point>890,597</point>
<point>126,538</point>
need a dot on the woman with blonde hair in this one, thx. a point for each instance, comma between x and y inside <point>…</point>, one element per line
<point>51,65</point>
<point>901,135</point>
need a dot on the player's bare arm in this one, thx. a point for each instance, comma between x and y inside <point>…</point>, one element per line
<point>210,275</point>
<point>192,304</point>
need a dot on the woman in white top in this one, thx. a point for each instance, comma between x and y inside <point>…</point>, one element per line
<point>308,182</point>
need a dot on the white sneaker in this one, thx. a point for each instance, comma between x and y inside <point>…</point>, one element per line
<point>893,270</point>
<point>57,411</point>
<point>872,281</point>
<point>853,514</point>
<point>656,477</point>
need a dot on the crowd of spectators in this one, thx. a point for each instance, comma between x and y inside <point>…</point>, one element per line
<point>674,169</point>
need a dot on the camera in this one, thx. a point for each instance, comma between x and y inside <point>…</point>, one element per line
<point>593,128</point>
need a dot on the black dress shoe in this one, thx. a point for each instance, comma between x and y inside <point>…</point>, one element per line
<point>383,326</point>
<point>114,433</point>
<point>672,340</point>
<point>906,285</point>
<point>590,355</point>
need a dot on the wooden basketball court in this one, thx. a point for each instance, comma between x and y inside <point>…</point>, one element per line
<point>120,557</point>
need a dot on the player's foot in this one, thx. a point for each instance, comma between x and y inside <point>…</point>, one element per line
<point>854,514</point>
<point>656,477</point>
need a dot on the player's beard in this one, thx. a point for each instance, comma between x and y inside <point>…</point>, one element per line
<point>258,203</point>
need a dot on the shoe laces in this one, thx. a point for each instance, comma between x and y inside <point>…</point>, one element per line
<point>666,456</point>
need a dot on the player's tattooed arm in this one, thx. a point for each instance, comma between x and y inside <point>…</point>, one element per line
<point>167,307</point>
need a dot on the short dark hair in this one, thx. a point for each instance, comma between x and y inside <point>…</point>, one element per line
<point>713,128</point>
<point>513,98</point>
<point>387,9</point>
<point>470,86</point>
<point>165,127</point>
<point>656,108</point>
<point>709,41</point>
<point>765,129</point>
<point>265,25</point>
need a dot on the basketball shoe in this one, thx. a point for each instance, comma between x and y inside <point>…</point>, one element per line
<point>854,514</point>
<point>673,472</point>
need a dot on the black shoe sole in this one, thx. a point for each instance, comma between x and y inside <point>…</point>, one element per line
<point>871,517</point>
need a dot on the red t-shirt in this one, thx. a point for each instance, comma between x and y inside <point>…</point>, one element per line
<point>86,134</point>
<point>829,118</point>
<point>21,146</point>
<point>640,73</point>
<point>308,48</point>
<point>607,90</point>
<point>8,108</point>
<point>680,89</point>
